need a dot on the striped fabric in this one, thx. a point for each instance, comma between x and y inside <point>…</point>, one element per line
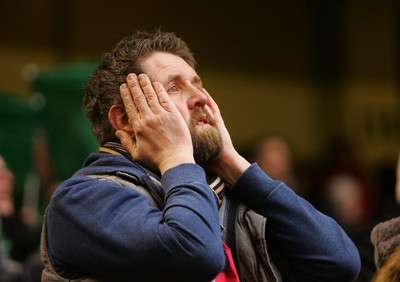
<point>229,273</point>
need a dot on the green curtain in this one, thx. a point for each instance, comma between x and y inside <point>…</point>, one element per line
<point>69,132</point>
<point>17,127</point>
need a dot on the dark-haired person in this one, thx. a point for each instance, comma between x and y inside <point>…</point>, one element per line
<point>168,198</point>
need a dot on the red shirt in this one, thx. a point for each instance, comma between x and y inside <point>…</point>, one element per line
<point>229,273</point>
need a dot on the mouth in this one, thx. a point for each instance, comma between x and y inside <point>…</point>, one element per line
<point>203,120</point>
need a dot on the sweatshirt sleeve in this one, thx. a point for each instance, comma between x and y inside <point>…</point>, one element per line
<point>101,228</point>
<point>309,245</point>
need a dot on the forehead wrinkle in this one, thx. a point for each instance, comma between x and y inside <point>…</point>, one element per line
<point>168,68</point>
<point>172,77</point>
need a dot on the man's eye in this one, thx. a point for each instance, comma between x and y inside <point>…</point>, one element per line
<point>173,89</point>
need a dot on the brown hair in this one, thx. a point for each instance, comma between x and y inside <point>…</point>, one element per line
<point>102,90</point>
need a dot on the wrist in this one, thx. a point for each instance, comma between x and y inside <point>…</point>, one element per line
<point>175,161</point>
<point>231,167</point>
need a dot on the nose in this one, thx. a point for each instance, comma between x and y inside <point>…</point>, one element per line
<point>196,97</point>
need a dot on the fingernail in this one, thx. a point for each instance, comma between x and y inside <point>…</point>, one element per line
<point>141,77</point>
<point>131,76</point>
<point>123,86</point>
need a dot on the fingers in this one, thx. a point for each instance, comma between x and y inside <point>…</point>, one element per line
<point>127,99</point>
<point>140,96</point>
<point>133,97</point>
<point>143,93</point>
<point>211,103</point>
<point>149,93</point>
<point>163,97</point>
<point>126,140</point>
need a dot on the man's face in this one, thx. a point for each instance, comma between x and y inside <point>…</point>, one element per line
<point>185,89</point>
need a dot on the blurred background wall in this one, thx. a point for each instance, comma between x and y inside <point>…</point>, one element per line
<point>307,69</point>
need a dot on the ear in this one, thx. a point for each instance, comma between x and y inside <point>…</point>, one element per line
<point>119,119</point>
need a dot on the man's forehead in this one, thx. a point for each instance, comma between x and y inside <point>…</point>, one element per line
<point>162,60</point>
<point>167,66</point>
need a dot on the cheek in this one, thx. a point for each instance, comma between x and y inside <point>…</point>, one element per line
<point>183,109</point>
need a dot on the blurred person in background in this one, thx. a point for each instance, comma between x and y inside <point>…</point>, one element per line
<point>344,190</point>
<point>10,270</point>
<point>6,190</point>
<point>18,127</point>
<point>274,154</point>
<point>29,268</point>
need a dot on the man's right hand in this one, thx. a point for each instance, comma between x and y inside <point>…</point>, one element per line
<point>162,139</point>
<point>230,165</point>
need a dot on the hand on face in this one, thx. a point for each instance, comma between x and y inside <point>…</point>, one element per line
<point>162,139</point>
<point>230,165</point>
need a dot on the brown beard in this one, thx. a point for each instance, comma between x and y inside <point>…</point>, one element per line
<point>207,143</point>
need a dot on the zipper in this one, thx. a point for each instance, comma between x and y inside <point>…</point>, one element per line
<point>156,190</point>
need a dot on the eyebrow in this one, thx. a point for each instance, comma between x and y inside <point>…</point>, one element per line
<point>172,77</point>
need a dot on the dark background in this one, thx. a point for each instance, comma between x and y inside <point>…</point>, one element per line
<point>325,74</point>
<point>311,70</point>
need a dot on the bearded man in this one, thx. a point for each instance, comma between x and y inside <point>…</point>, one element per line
<point>168,197</point>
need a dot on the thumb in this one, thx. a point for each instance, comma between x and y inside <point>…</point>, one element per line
<point>127,141</point>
